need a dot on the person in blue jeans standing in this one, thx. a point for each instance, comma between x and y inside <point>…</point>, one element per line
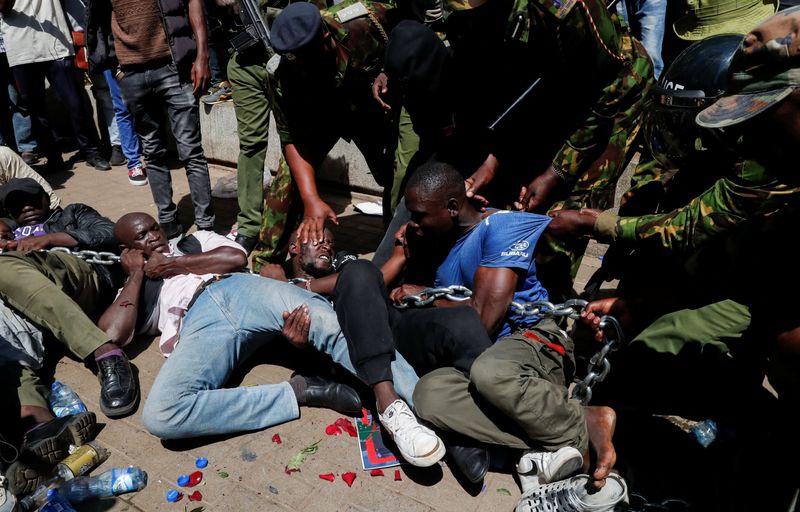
<point>647,19</point>
<point>131,147</point>
<point>20,121</point>
<point>158,52</point>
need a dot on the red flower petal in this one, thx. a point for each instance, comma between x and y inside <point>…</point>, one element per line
<point>397,477</point>
<point>195,478</point>
<point>195,496</point>
<point>346,425</point>
<point>276,439</point>
<point>349,478</point>
<point>376,472</point>
<point>328,476</point>
<point>333,430</point>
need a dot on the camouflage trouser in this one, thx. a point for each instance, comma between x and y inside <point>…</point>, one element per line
<point>598,165</point>
<point>281,215</point>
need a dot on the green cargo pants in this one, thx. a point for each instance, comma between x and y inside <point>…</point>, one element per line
<point>515,395</point>
<point>55,291</point>
<point>248,77</point>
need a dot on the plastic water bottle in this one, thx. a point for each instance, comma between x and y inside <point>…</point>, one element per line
<point>705,432</point>
<point>64,401</point>
<point>56,503</point>
<point>113,482</point>
<point>81,460</point>
<point>39,496</point>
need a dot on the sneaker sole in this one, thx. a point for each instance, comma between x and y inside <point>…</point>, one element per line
<point>38,460</point>
<point>121,411</point>
<point>427,460</point>
<point>568,468</point>
<point>137,183</point>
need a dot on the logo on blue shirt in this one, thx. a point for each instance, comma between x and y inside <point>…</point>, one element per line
<point>517,249</point>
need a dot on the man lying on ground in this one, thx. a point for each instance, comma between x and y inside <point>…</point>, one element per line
<point>516,391</point>
<point>211,321</point>
<point>59,293</point>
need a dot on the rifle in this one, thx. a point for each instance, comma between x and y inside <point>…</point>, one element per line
<point>255,29</point>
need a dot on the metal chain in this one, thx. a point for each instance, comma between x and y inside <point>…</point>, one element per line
<point>599,365</point>
<point>98,257</point>
<point>455,293</point>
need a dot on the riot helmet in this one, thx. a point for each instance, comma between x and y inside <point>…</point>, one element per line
<point>697,77</point>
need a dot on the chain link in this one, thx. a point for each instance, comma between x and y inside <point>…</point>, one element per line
<point>455,293</point>
<point>599,365</point>
<point>98,257</point>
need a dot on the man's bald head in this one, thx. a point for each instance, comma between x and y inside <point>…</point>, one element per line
<point>139,230</point>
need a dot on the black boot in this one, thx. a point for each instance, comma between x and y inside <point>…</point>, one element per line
<point>471,461</point>
<point>119,392</point>
<point>333,395</point>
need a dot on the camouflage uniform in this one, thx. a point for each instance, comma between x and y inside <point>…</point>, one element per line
<point>343,108</point>
<point>749,191</point>
<point>589,50</point>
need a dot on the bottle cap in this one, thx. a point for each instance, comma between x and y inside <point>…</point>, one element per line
<point>201,462</point>
<point>183,480</point>
<point>173,496</point>
<point>51,493</point>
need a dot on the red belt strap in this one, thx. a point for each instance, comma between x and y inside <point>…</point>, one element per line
<point>555,346</point>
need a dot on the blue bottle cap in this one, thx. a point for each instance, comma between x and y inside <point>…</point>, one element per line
<point>51,493</point>
<point>201,462</point>
<point>173,496</point>
<point>183,480</point>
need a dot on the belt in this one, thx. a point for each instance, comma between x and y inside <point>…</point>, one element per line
<point>203,286</point>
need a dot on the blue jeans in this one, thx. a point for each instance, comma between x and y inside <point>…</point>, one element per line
<point>229,321</point>
<point>131,147</point>
<point>647,19</point>
<point>147,92</point>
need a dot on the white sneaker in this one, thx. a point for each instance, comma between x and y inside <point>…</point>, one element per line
<point>572,496</point>
<point>417,444</point>
<point>539,468</point>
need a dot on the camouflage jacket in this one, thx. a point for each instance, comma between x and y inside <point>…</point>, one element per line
<point>749,191</point>
<point>307,111</point>
<point>584,44</point>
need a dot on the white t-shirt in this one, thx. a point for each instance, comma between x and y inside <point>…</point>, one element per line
<point>36,31</point>
<point>178,291</point>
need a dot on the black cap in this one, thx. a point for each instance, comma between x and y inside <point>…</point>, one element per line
<point>295,27</point>
<point>27,185</point>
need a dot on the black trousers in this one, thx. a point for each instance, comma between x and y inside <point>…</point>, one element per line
<point>428,338</point>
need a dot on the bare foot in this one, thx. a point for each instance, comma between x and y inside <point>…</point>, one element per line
<point>601,422</point>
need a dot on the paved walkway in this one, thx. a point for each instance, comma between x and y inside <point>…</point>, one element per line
<point>254,464</point>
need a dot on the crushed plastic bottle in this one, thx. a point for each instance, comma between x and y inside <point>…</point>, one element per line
<point>113,482</point>
<point>56,503</point>
<point>81,460</point>
<point>705,432</point>
<point>64,401</point>
<point>39,496</point>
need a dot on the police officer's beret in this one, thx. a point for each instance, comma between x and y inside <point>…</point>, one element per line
<point>295,27</point>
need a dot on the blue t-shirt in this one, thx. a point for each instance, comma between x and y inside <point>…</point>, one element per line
<point>503,239</point>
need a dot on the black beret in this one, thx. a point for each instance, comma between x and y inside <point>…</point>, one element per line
<point>295,27</point>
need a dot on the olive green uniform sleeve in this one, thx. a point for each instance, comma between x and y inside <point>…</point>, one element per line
<point>751,191</point>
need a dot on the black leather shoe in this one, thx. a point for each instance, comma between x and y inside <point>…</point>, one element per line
<point>471,461</point>
<point>117,158</point>
<point>333,395</point>
<point>98,162</point>
<point>119,392</point>
<point>46,446</point>
<point>172,229</point>
<point>248,242</point>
